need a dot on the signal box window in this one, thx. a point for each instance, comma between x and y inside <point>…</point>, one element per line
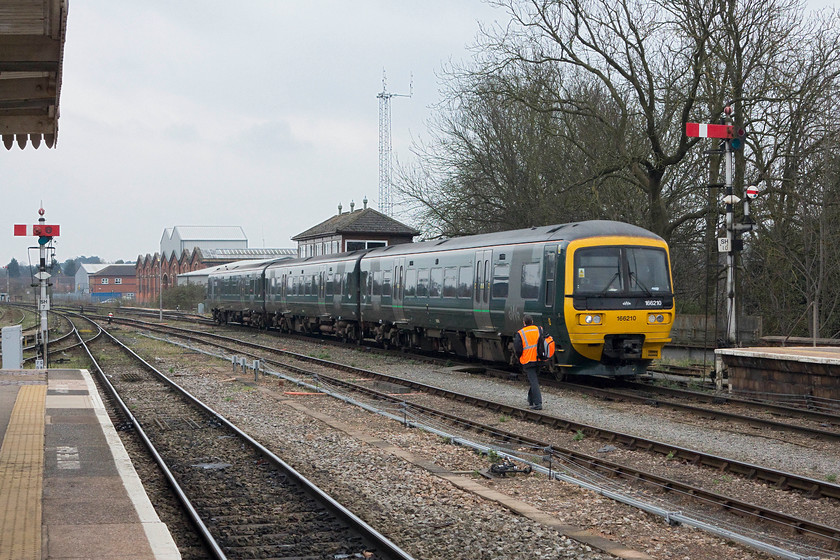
<point>104,281</point>
<point>117,280</point>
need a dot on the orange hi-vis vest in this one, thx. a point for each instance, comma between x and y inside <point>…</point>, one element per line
<point>530,336</point>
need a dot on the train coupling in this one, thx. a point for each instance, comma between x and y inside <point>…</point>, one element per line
<point>506,466</point>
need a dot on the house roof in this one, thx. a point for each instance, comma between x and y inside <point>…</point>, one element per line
<point>31,66</point>
<point>206,233</point>
<point>116,270</point>
<point>362,221</point>
<point>92,268</point>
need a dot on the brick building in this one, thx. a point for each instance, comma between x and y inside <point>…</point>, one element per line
<point>115,281</point>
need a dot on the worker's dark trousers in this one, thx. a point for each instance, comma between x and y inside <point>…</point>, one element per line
<point>532,370</point>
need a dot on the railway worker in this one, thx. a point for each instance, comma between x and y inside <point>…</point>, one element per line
<point>110,317</point>
<point>525,348</point>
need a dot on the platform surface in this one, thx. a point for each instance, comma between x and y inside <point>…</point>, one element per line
<point>814,354</point>
<point>67,487</point>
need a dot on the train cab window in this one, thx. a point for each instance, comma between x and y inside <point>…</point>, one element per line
<point>598,270</point>
<point>648,270</point>
<point>450,282</point>
<point>386,283</point>
<point>411,282</point>
<point>530,286</point>
<point>436,282</point>
<point>423,282</point>
<point>465,282</point>
<point>501,278</point>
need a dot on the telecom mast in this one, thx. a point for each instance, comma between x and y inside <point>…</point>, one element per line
<point>385,204</point>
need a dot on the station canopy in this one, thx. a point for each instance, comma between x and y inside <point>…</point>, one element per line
<point>32,36</point>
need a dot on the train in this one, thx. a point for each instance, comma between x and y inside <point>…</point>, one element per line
<point>601,288</point>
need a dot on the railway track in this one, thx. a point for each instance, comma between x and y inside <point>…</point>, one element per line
<point>829,535</point>
<point>247,502</point>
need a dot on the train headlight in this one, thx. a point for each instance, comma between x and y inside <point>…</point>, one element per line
<point>656,318</point>
<point>591,319</point>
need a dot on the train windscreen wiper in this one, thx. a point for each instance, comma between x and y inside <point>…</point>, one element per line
<point>610,283</point>
<point>634,279</point>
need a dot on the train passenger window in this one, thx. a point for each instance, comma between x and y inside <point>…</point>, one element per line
<point>501,277</point>
<point>386,283</point>
<point>465,282</point>
<point>423,282</point>
<point>377,283</point>
<point>366,282</point>
<point>530,287</point>
<point>411,282</point>
<point>400,282</point>
<point>436,282</point>
<point>307,285</point>
<point>328,285</point>
<point>450,282</point>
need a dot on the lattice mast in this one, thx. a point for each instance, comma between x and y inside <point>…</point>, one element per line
<point>385,203</point>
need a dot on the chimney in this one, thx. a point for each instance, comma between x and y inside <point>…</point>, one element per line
<point>365,202</point>
<point>352,204</point>
<point>339,208</point>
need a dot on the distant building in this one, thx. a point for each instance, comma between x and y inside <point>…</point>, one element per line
<point>114,281</point>
<point>83,276</point>
<point>186,238</point>
<point>350,231</point>
<point>186,249</point>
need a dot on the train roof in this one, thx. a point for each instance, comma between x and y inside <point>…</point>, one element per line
<point>560,232</point>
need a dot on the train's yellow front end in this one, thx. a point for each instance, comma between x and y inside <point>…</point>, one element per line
<point>619,303</point>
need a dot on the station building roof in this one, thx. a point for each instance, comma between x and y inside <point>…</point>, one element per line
<point>365,221</point>
<point>32,34</point>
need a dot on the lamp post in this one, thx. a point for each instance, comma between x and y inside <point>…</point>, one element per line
<point>160,288</point>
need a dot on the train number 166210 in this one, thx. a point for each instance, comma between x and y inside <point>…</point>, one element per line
<point>626,318</point>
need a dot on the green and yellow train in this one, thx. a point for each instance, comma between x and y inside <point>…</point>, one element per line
<point>601,288</point>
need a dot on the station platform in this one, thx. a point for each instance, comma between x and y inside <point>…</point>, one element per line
<point>67,486</point>
<point>791,370</point>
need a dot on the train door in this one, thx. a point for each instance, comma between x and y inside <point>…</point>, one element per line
<point>321,278</point>
<point>481,289</point>
<point>550,281</point>
<point>399,290</point>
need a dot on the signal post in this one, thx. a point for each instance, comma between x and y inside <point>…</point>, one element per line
<point>45,234</point>
<point>732,140</point>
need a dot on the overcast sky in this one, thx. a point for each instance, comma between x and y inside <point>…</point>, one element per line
<point>261,114</point>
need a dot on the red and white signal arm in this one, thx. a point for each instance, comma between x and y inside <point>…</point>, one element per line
<point>699,130</point>
<point>43,230</point>
<point>39,230</point>
<point>752,191</point>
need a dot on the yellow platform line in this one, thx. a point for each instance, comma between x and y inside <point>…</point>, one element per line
<point>22,476</point>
